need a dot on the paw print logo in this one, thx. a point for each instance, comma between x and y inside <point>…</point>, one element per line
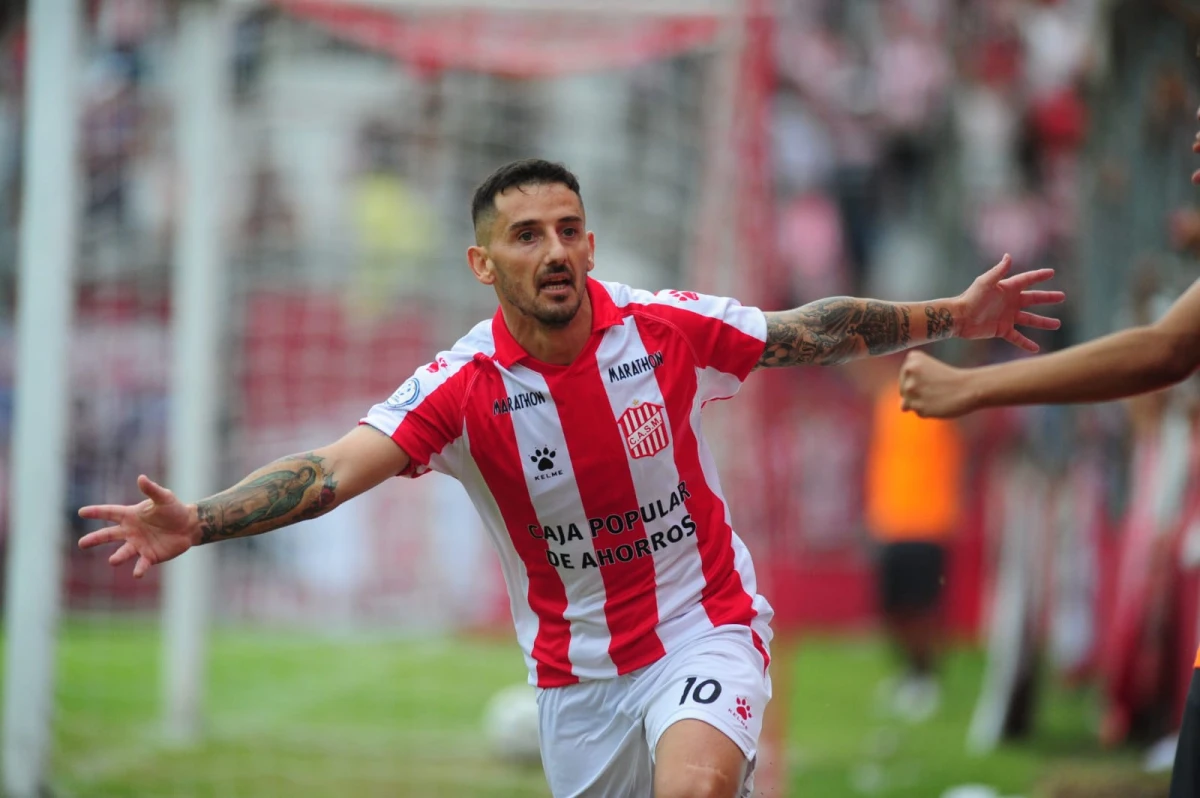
<point>684,296</point>
<point>743,709</point>
<point>544,458</point>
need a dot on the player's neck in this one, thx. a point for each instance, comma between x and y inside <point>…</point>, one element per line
<point>555,345</point>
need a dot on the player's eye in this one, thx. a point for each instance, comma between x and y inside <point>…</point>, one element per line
<point>570,232</point>
<point>525,236</point>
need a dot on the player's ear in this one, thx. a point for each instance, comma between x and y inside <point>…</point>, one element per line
<point>591,239</point>
<point>481,265</point>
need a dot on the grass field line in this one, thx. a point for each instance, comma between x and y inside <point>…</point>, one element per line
<point>258,716</point>
<point>120,758</point>
<point>386,664</point>
<point>352,740</point>
<point>408,769</point>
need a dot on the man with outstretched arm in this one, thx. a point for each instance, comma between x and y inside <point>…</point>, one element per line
<point>572,417</point>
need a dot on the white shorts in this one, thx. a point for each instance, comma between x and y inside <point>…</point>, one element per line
<point>598,737</point>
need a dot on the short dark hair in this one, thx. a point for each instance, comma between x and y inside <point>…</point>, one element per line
<point>530,171</point>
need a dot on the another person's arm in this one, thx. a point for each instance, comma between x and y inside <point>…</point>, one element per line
<point>293,488</point>
<point>1123,364</point>
<point>839,329</point>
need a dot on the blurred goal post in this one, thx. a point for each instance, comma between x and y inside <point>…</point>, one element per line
<point>713,260</point>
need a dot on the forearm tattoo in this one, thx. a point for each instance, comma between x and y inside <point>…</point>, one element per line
<point>939,323</point>
<point>290,489</point>
<point>835,330</point>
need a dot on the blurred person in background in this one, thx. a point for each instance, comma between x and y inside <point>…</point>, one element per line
<point>396,228</point>
<point>572,417</point>
<point>269,228</point>
<point>1128,363</point>
<point>912,494</point>
<point>113,130</point>
<point>913,73</point>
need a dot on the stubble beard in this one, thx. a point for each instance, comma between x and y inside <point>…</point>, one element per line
<point>549,313</point>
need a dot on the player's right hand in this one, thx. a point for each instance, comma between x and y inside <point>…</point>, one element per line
<point>154,530</point>
<point>931,389</point>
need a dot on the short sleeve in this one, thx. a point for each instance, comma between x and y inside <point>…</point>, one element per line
<point>727,337</point>
<point>424,415</point>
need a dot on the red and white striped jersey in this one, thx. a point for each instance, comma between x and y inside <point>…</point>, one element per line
<point>593,479</point>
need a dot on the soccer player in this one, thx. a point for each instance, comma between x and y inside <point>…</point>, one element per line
<point>572,417</point>
<point>1126,363</point>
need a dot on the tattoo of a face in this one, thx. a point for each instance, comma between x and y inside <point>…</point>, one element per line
<point>267,497</point>
<point>938,323</point>
<point>323,501</point>
<point>834,330</point>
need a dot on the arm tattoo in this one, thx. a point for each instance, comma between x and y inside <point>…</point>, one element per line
<point>269,498</point>
<point>939,323</point>
<point>835,330</point>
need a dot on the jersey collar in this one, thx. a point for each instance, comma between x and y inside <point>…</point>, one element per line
<point>604,315</point>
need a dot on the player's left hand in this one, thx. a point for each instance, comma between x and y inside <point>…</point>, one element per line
<point>932,389</point>
<point>994,305</point>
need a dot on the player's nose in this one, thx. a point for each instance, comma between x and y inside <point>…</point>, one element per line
<point>557,251</point>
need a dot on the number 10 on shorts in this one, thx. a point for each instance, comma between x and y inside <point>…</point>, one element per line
<point>705,692</point>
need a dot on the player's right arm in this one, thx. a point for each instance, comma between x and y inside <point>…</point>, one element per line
<point>1126,363</point>
<point>293,488</point>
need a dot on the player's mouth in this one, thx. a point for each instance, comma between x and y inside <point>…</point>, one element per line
<point>557,285</point>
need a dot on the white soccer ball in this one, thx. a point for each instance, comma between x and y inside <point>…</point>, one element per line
<point>510,725</point>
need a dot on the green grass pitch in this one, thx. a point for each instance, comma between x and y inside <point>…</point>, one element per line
<point>298,716</point>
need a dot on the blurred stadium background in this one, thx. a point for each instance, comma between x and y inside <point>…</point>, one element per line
<point>775,151</point>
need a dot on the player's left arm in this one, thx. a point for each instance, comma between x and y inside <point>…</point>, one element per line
<point>839,329</point>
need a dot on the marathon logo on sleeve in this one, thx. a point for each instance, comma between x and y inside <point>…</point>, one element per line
<point>632,368</point>
<point>521,401</point>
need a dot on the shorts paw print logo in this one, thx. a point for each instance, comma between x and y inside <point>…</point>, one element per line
<point>743,709</point>
<point>544,458</point>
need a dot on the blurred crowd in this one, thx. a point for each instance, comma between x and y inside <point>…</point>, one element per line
<point>912,141</point>
<point>916,142</point>
<point>893,118</point>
